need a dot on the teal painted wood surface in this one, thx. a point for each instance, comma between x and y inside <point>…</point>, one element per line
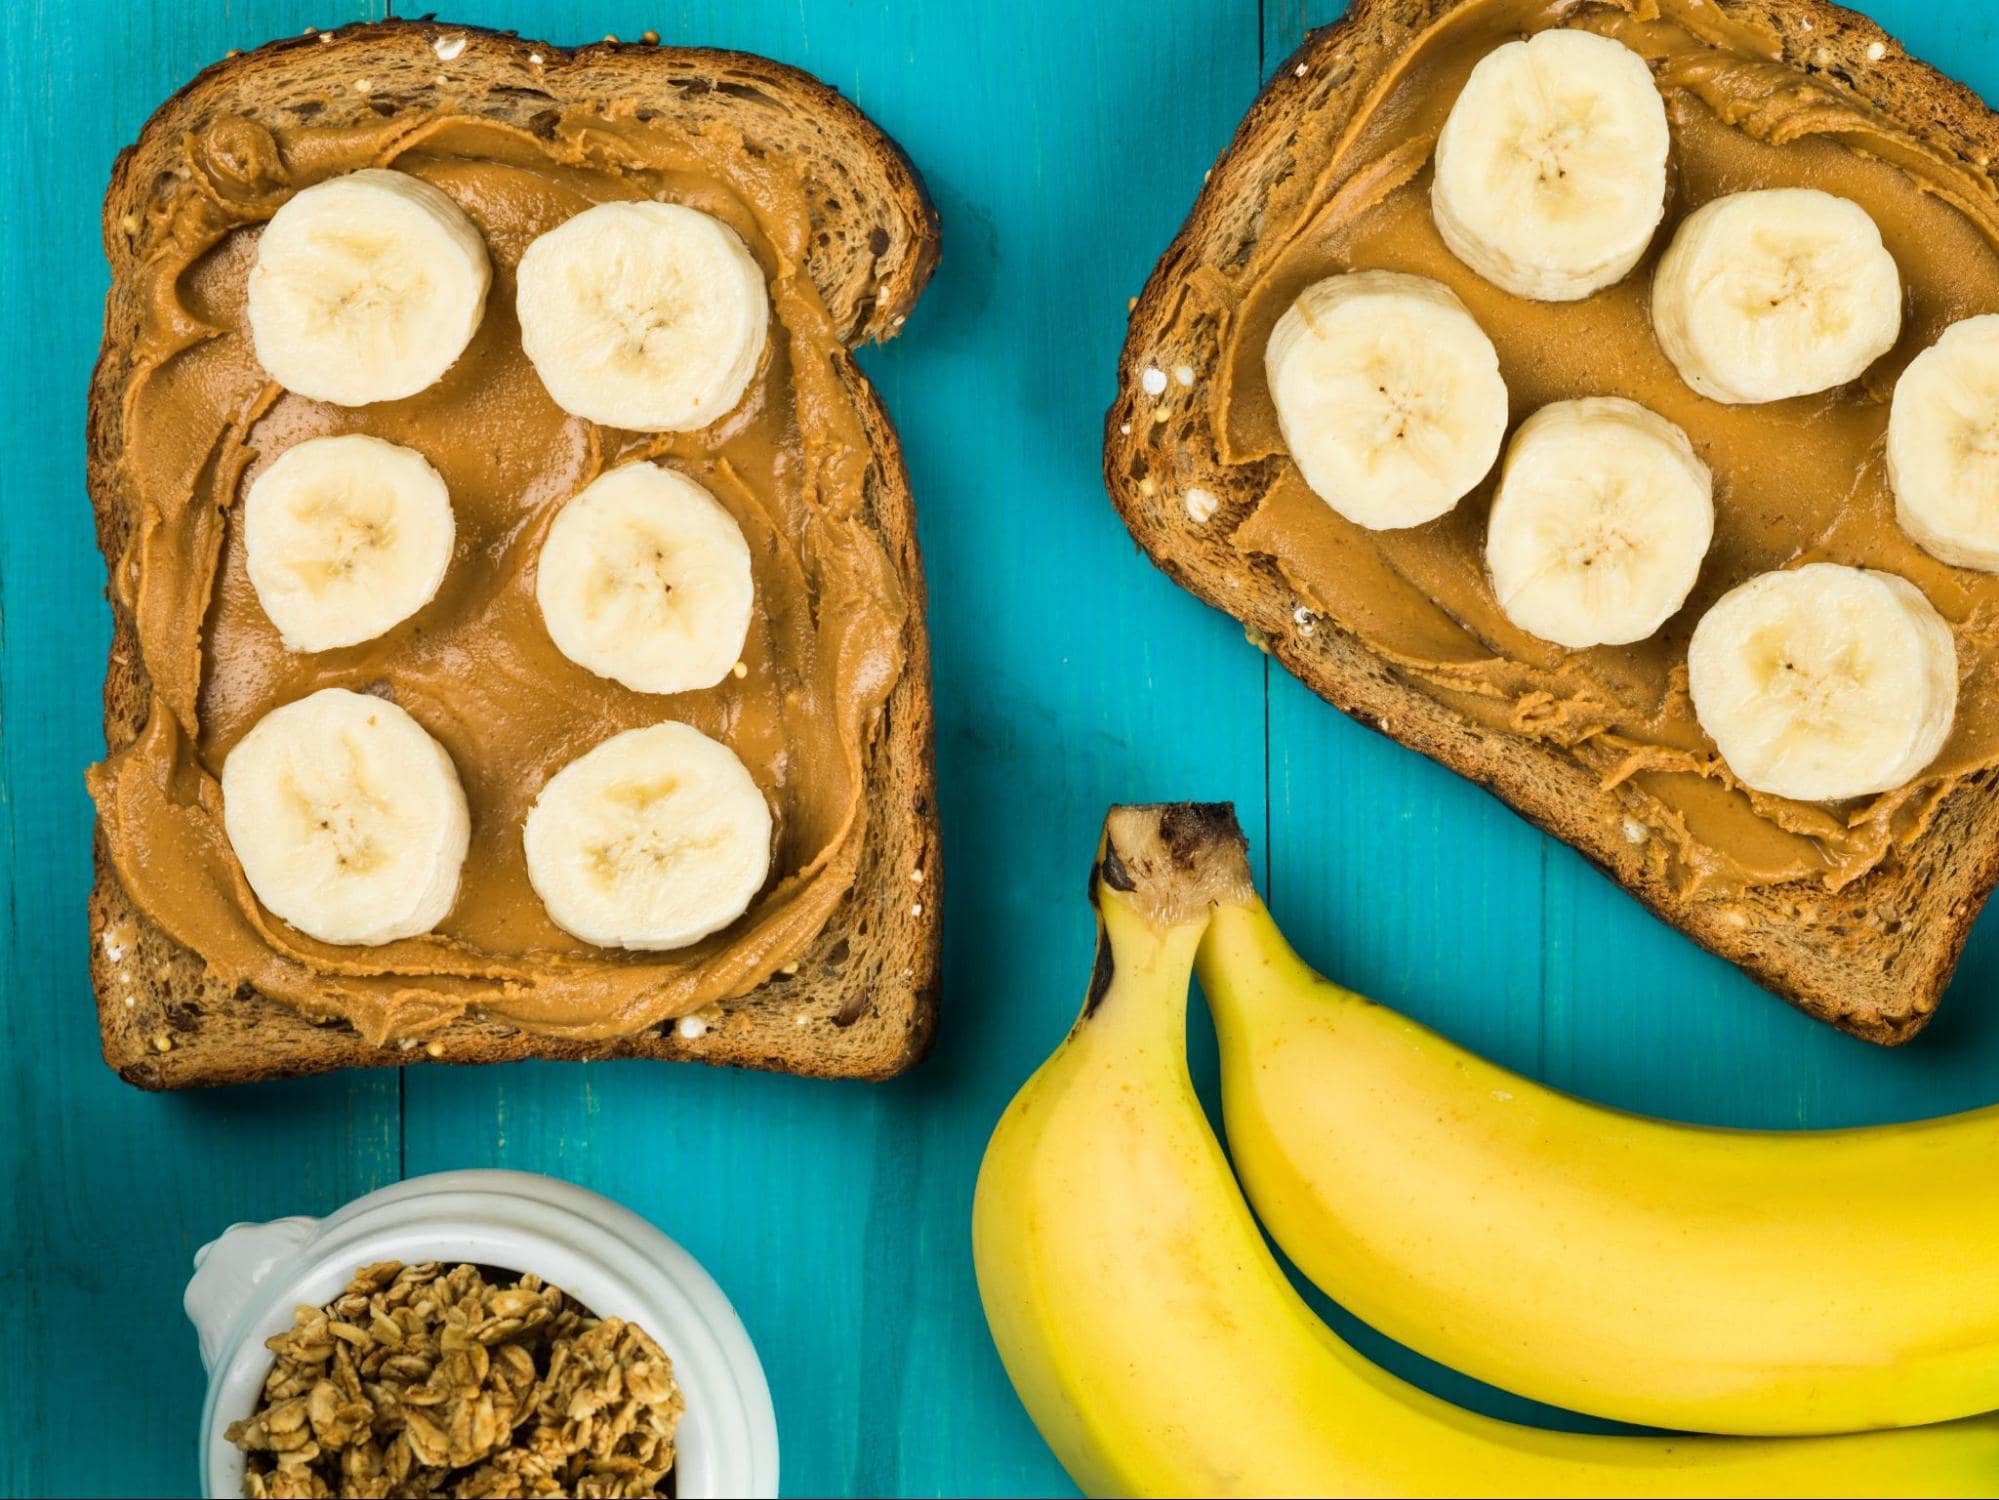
<point>1062,143</point>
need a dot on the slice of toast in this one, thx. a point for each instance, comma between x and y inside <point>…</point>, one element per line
<point>862,1003</point>
<point>1873,958</point>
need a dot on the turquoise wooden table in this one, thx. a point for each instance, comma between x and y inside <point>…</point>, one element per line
<point>1062,143</point>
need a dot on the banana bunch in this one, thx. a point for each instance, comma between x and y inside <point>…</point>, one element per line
<point>1728,1281</point>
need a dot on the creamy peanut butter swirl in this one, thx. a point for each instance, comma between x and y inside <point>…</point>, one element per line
<point>1798,480</point>
<point>475,666</point>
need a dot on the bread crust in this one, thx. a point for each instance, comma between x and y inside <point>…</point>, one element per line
<point>1873,959</point>
<point>863,1001</point>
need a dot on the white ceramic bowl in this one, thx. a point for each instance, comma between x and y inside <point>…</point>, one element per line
<point>247,1282</point>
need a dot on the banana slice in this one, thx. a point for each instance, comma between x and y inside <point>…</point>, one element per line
<point>1943,446</point>
<point>645,579</point>
<point>646,316</point>
<point>1389,396</point>
<point>1603,515</point>
<point>1551,168</point>
<point>346,537</point>
<point>347,818</point>
<point>366,288</point>
<point>1777,293</point>
<point>652,840</point>
<point>1824,682</point>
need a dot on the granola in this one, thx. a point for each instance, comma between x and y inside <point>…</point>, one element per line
<point>421,1381</point>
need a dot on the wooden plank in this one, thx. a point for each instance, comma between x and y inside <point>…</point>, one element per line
<point>1063,146</point>
<point>1404,881</point>
<point>1068,674</point>
<point>109,1191</point>
<point>1394,875</point>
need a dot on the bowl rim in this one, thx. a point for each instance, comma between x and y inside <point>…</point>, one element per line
<point>615,1262</point>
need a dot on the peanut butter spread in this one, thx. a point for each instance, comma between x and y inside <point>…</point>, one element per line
<point>475,666</point>
<point>1798,480</point>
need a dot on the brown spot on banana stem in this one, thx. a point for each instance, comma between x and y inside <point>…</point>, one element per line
<point>1101,973</point>
<point>1176,860</point>
<point>1190,830</point>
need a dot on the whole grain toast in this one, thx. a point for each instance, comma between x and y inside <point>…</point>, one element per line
<point>1873,958</point>
<point>863,1001</point>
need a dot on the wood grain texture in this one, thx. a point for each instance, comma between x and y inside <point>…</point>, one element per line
<point>1063,143</point>
<point>108,1192</point>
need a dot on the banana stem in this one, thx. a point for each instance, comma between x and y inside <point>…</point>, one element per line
<point>1161,871</point>
<point>1178,862</point>
<point>1175,860</point>
<point>1245,965</point>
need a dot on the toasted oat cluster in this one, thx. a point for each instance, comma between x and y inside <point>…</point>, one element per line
<point>421,1381</point>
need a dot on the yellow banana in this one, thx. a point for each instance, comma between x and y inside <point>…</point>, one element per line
<point>1719,1280</point>
<point>1160,1348</point>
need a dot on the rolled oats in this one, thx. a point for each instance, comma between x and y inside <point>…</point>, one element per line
<point>421,1381</point>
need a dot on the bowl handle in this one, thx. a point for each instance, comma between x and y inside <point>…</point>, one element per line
<point>229,1268</point>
